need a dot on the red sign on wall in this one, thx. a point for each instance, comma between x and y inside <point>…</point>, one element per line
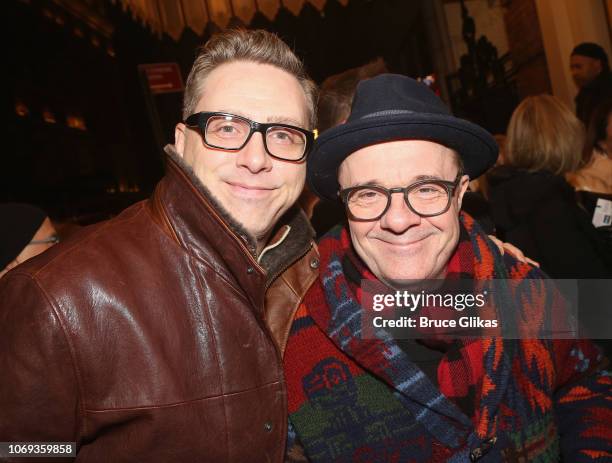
<point>163,77</point>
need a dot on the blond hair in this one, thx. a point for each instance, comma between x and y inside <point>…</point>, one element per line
<point>257,46</point>
<point>544,134</point>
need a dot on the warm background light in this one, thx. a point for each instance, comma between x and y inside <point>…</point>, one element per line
<point>173,16</point>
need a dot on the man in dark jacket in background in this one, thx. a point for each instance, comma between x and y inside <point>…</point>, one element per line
<point>591,73</point>
<point>157,336</point>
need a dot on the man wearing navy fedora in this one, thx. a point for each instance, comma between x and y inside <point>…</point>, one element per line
<point>401,165</point>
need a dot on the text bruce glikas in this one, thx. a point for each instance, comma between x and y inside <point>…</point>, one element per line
<point>412,301</point>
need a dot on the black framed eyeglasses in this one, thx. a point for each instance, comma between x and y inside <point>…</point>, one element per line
<point>426,198</point>
<point>230,132</point>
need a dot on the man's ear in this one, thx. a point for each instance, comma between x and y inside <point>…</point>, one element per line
<point>179,138</point>
<point>463,186</point>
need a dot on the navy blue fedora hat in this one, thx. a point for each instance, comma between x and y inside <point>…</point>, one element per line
<point>392,107</point>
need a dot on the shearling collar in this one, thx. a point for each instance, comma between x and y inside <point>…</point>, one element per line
<point>292,238</point>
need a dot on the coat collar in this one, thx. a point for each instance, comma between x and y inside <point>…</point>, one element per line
<point>190,214</point>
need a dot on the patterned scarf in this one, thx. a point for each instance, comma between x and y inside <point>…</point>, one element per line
<point>357,399</point>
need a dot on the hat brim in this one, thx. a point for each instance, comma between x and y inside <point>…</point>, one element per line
<point>477,148</point>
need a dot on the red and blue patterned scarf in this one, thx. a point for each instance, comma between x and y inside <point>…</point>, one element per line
<point>356,399</point>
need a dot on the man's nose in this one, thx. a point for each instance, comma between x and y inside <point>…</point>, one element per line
<point>254,156</point>
<point>399,217</point>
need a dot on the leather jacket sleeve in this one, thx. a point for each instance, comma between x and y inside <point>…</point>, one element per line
<point>39,398</point>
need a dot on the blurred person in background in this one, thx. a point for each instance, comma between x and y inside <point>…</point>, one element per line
<point>532,205</point>
<point>25,233</point>
<point>333,108</point>
<point>593,182</point>
<point>591,73</point>
<point>596,175</point>
<point>337,93</point>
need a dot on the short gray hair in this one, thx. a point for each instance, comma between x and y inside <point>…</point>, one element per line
<point>257,46</point>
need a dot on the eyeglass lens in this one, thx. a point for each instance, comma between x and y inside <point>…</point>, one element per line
<point>232,133</point>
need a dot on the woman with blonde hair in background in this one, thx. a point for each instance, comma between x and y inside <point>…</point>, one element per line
<point>532,205</point>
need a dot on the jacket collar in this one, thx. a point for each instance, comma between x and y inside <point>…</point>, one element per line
<point>192,216</point>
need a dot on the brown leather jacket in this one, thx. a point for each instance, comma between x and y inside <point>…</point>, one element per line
<point>146,337</point>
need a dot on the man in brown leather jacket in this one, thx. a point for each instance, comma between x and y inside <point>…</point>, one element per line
<point>158,335</point>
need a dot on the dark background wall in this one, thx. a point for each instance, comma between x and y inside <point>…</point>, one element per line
<point>83,67</point>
